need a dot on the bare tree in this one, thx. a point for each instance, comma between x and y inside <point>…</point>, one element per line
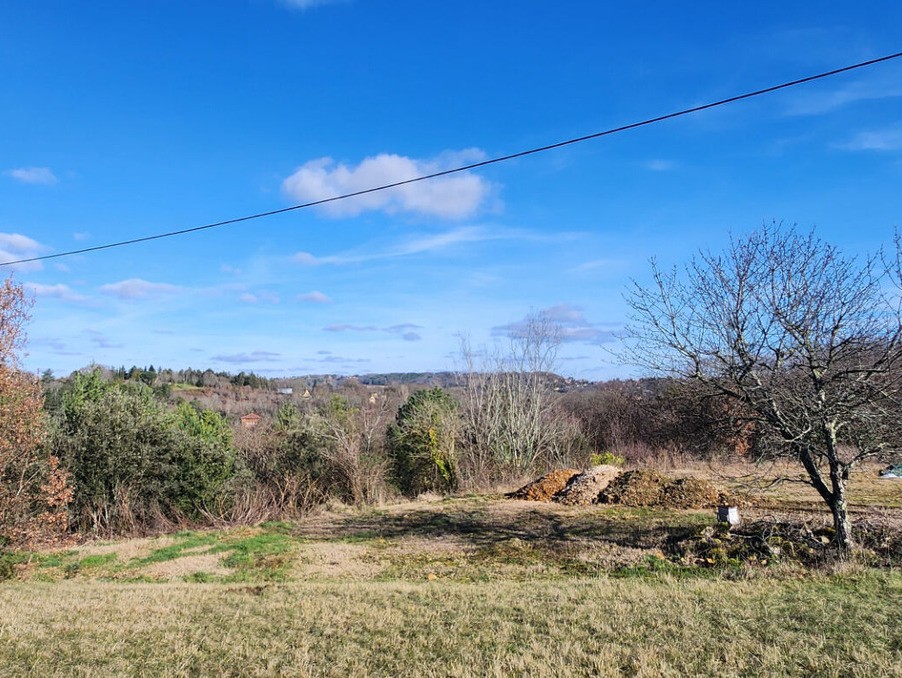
<point>354,437</point>
<point>510,410</point>
<point>805,339</point>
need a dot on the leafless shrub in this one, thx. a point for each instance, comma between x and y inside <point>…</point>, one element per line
<point>512,418</point>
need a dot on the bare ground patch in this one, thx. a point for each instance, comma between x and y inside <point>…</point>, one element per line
<point>126,550</point>
<point>335,560</point>
<point>185,566</point>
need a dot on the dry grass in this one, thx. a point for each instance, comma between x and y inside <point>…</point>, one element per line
<point>573,628</point>
<point>463,587</point>
<point>186,566</point>
<point>866,489</point>
<point>126,549</point>
<point>335,560</point>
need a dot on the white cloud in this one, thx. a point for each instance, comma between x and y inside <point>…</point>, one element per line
<point>569,322</point>
<point>63,292</point>
<point>404,330</point>
<point>338,360</point>
<point>415,245</point>
<point>305,258</point>
<point>252,357</point>
<point>889,139</point>
<point>101,341</point>
<point>136,288</point>
<point>15,246</point>
<point>315,297</point>
<point>259,297</point>
<point>32,175</point>
<point>308,4</point>
<point>450,197</point>
<point>886,85</point>
<point>55,343</point>
<point>660,165</point>
<point>345,327</point>
<point>610,266</point>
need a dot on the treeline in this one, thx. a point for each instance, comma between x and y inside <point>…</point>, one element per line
<point>118,454</point>
<point>164,376</point>
<point>121,456</point>
<point>645,418</point>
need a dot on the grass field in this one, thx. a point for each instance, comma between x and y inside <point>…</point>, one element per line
<point>467,586</point>
<point>839,625</point>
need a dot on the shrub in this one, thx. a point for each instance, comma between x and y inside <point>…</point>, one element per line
<point>422,443</point>
<point>22,425</point>
<point>134,461</point>
<point>606,458</point>
<point>352,448</point>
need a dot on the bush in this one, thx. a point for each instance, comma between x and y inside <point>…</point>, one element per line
<point>352,449</point>
<point>422,443</point>
<point>134,461</point>
<point>21,417</point>
<point>607,459</point>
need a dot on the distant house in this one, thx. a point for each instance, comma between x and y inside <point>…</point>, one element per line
<point>250,420</point>
<point>286,391</point>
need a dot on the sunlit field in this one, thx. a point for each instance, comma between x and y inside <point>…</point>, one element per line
<point>476,585</point>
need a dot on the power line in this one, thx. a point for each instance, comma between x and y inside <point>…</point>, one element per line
<point>464,168</point>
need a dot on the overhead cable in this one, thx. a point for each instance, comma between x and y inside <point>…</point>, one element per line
<point>464,168</point>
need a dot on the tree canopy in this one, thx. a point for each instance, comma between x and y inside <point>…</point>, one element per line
<point>807,341</point>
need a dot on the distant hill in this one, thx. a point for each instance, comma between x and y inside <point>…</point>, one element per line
<point>443,379</point>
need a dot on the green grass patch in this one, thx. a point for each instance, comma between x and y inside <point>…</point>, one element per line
<point>50,560</point>
<point>97,560</point>
<point>185,541</point>
<point>259,557</point>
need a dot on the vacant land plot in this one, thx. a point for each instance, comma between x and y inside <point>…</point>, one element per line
<point>661,626</point>
<point>466,586</point>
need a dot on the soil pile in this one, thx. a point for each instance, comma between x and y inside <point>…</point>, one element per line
<point>687,493</point>
<point>607,484</point>
<point>635,488</point>
<point>546,487</point>
<point>585,487</point>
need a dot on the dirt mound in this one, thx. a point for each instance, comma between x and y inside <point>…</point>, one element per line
<point>607,484</point>
<point>585,487</point>
<point>544,488</point>
<point>635,488</point>
<point>650,488</point>
<point>690,493</point>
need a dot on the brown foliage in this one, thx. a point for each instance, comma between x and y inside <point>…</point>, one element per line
<point>21,415</point>
<point>51,525</point>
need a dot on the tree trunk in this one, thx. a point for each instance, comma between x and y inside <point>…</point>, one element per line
<point>840,509</point>
<point>834,496</point>
<point>844,541</point>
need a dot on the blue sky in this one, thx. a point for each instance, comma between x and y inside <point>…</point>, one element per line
<point>121,120</point>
